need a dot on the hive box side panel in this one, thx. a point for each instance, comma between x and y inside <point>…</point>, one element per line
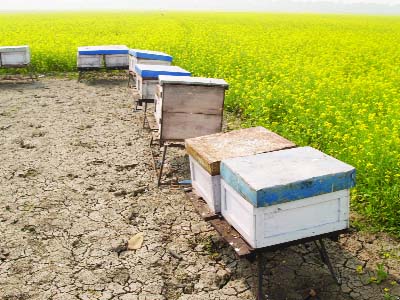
<point>133,60</point>
<point>146,87</point>
<point>132,63</point>
<point>181,126</point>
<point>117,60</point>
<point>207,186</point>
<point>194,99</point>
<point>90,61</point>
<point>238,213</point>
<point>15,58</point>
<point>157,108</point>
<point>153,62</point>
<point>301,219</point>
<point>288,221</point>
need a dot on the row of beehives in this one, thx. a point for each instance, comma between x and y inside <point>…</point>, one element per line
<point>269,190</point>
<point>184,106</point>
<point>13,56</point>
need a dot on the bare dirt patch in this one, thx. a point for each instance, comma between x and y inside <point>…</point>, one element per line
<point>76,183</point>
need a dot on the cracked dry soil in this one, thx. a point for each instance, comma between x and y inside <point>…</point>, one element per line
<point>76,182</point>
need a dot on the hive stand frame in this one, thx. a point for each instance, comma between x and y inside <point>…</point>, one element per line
<point>131,77</point>
<point>165,145</point>
<point>155,140</point>
<point>28,67</point>
<point>243,250</point>
<point>84,70</point>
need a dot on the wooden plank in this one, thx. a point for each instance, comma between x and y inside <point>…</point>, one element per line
<point>195,99</point>
<point>232,237</point>
<point>201,206</point>
<point>210,150</point>
<point>181,126</point>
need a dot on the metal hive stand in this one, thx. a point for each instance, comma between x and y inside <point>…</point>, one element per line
<point>243,250</point>
<point>84,70</point>
<point>165,144</point>
<point>28,67</point>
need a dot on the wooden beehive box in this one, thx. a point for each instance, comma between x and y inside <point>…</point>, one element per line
<point>281,196</point>
<point>94,56</point>
<point>11,56</point>
<point>137,56</point>
<point>207,152</point>
<point>147,77</point>
<point>189,107</point>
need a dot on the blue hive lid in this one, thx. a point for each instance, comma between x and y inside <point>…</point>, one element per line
<point>147,54</point>
<point>286,175</point>
<point>103,50</point>
<point>153,71</point>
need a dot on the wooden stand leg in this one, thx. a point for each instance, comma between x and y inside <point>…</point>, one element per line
<point>129,80</point>
<point>80,76</point>
<point>325,259</point>
<point>31,73</point>
<point>162,164</point>
<point>260,276</point>
<point>145,116</point>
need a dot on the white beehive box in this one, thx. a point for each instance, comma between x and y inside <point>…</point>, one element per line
<point>137,56</point>
<point>147,77</point>
<point>93,56</point>
<point>189,106</point>
<point>207,152</point>
<point>281,196</point>
<point>14,56</point>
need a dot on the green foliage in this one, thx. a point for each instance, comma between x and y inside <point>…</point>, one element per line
<point>381,274</point>
<point>331,82</point>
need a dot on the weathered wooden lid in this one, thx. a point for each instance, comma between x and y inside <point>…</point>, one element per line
<point>193,81</point>
<point>282,176</point>
<point>14,48</point>
<point>210,150</point>
<point>153,71</point>
<point>147,54</point>
<point>103,50</point>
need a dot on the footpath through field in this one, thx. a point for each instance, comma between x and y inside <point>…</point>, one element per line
<point>76,183</point>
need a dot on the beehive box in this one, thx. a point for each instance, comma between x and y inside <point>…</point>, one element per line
<point>147,77</point>
<point>137,56</point>
<point>14,56</point>
<point>207,152</point>
<point>94,56</point>
<point>281,196</point>
<point>189,107</point>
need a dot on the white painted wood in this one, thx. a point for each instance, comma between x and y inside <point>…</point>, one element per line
<point>117,60</point>
<point>14,56</point>
<point>146,87</point>
<point>157,110</point>
<point>90,61</point>
<point>207,186</point>
<point>280,223</point>
<point>133,60</point>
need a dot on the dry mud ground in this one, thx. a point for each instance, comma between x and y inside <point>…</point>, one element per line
<point>76,182</point>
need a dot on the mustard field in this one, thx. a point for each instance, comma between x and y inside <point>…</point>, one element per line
<point>331,82</point>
